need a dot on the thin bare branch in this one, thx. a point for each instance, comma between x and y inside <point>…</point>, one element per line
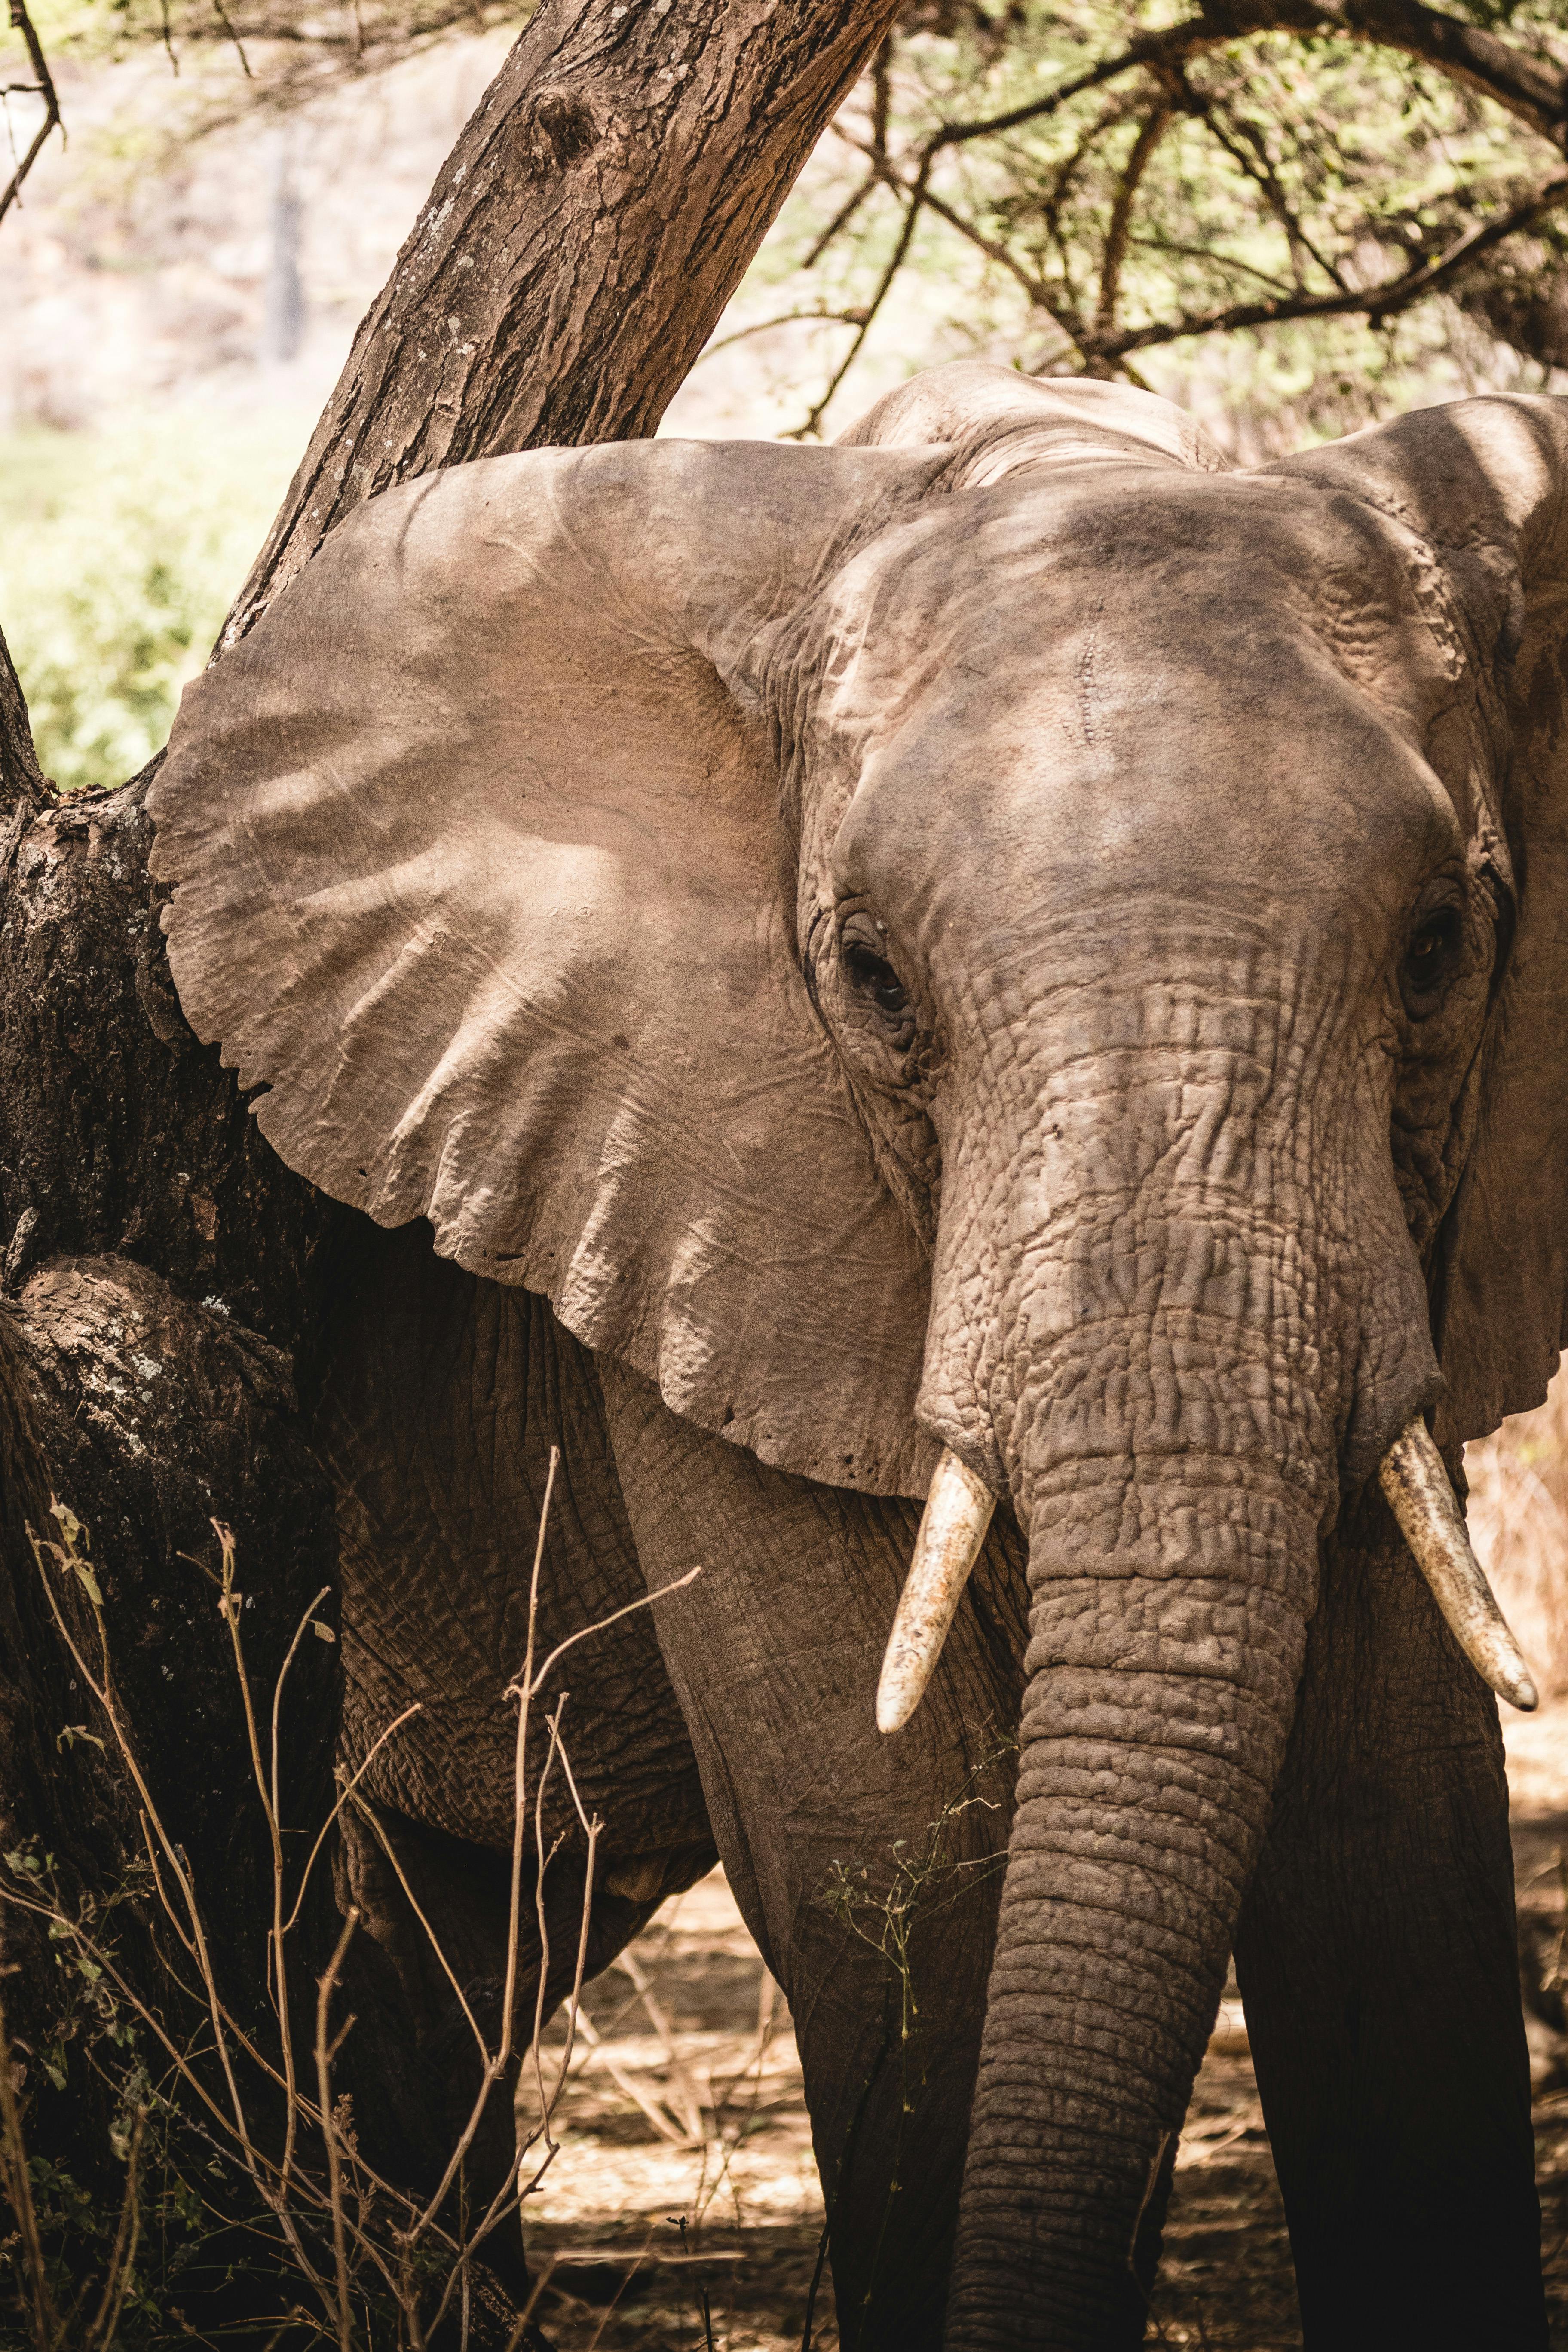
<point>600,1624</point>
<point>1215,258</point>
<point>271,1807</point>
<point>543,1857</point>
<point>221,13</point>
<point>41,86</point>
<point>840,221</point>
<point>1375,304</point>
<point>1151,132</point>
<point>369,1815</point>
<point>325,2051</point>
<point>344,1794</point>
<point>524,1690</point>
<point>1244,145</point>
<point>915,200</point>
<point>1035,287</point>
<point>19,2192</point>
<point>1162,51</point>
<point>785,319</point>
<point>117,2281</point>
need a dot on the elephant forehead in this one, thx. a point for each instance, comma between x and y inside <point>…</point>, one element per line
<point>1209,574</point>
<point>1056,683</point>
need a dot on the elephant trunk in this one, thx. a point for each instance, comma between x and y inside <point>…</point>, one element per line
<point>1189,1310</point>
<point>1167,1629</point>
<point>1174,1366</point>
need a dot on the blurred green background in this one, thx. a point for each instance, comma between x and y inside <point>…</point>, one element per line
<point>121,548</point>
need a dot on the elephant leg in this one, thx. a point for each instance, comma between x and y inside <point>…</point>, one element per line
<point>1376,1954</point>
<point>439,1399</point>
<point>840,1844</point>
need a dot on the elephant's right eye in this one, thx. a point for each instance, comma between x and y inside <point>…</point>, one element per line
<point>872,976</point>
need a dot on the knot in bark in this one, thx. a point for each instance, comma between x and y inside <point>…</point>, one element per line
<point>557,129</point>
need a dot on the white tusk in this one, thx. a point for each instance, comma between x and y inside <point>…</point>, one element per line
<point>953,1528</point>
<point>1412,1477</point>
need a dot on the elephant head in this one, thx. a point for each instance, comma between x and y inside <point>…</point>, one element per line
<point>1003,957</point>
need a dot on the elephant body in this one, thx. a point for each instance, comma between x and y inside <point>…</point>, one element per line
<point>439,1399</point>
<point>1383,2037</point>
<point>1005,943</point>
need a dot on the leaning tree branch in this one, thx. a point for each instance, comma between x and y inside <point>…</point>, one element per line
<point>574,257</point>
<point>1151,132</point>
<point>656,146</point>
<point>41,86</point>
<point>1375,303</point>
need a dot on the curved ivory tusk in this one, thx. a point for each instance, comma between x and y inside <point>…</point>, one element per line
<point>1412,1477</point>
<point>953,1528</point>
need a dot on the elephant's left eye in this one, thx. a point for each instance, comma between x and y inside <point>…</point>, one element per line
<point>1432,958</point>
<point>874,977</point>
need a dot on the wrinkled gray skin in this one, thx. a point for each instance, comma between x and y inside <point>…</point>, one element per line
<point>1159,876</point>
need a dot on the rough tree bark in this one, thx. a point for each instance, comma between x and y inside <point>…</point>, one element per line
<point>157,1263</point>
<point>579,245</point>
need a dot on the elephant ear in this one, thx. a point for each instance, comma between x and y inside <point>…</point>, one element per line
<point>1481,488</point>
<point>477,871</point>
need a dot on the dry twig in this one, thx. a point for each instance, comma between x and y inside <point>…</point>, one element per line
<point>41,86</point>
<point>370,2221</point>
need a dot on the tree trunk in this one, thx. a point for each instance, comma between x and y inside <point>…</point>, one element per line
<point>156,1328</point>
<point>578,247</point>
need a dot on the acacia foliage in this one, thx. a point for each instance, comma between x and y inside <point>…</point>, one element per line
<point>1355,191</point>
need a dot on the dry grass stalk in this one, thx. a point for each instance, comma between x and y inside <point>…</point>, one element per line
<point>375,2231</point>
<point>325,2052</point>
<point>43,2317</point>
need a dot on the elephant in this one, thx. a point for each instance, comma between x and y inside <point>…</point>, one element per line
<point>974,1023</point>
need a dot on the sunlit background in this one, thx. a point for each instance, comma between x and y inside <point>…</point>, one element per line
<point>181,281</point>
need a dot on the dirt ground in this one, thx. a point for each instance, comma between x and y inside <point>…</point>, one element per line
<point>683,2209</point>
